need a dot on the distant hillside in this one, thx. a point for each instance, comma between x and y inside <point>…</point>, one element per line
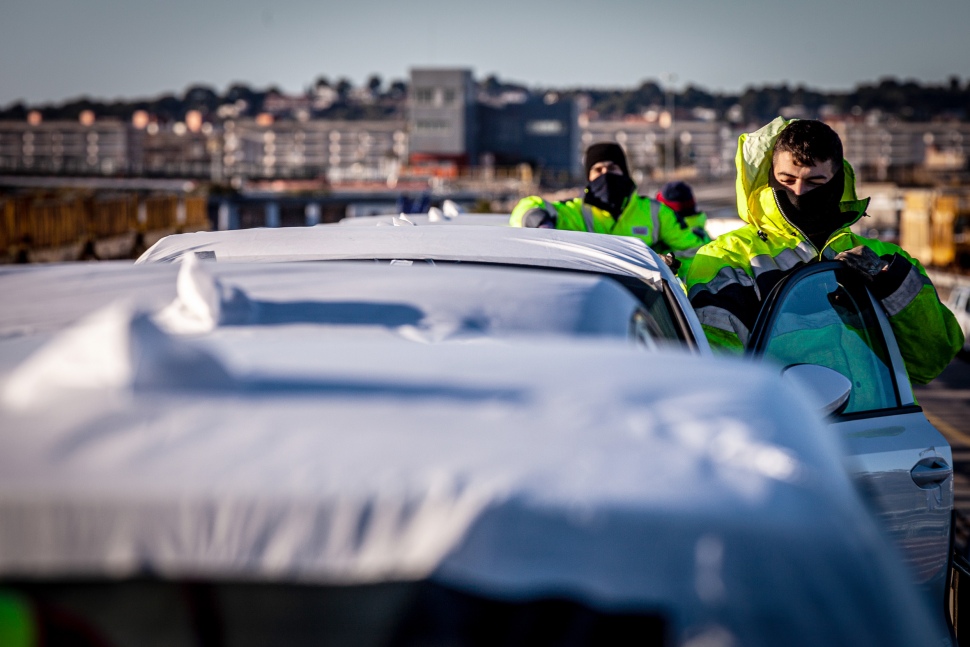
<point>889,98</point>
<point>905,101</point>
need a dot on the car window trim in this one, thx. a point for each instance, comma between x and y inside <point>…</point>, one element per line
<point>901,377</point>
<point>879,413</point>
<point>681,318</point>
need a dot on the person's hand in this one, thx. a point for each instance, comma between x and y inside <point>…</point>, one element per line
<point>539,218</point>
<point>864,261</point>
<point>673,263</point>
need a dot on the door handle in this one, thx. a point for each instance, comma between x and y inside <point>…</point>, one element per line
<point>930,472</point>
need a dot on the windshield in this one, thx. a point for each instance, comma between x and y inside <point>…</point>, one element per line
<point>658,317</point>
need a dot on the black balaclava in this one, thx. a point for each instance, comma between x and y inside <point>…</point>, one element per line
<point>609,191</point>
<point>816,213</point>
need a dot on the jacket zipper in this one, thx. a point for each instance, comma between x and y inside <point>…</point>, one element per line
<point>784,215</point>
<point>805,238</point>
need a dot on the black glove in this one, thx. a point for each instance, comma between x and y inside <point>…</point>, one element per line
<point>673,263</point>
<point>863,260</point>
<point>883,276</point>
<point>537,217</point>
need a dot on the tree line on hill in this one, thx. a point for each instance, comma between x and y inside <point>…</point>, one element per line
<point>888,98</point>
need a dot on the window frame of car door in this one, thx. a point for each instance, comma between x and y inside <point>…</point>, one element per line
<point>757,339</point>
<point>639,288</point>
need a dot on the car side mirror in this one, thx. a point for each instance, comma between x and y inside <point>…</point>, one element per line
<point>830,387</point>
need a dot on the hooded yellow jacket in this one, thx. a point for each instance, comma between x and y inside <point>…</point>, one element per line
<point>730,276</point>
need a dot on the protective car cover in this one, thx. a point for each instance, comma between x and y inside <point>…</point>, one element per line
<point>515,468</point>
<point>472,244</point>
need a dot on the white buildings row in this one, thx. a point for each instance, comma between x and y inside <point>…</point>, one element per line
<point>378,150</point>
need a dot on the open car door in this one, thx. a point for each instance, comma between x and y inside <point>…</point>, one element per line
<point>823,314</point>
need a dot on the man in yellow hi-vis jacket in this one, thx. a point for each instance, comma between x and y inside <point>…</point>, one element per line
<point>611,205</point>
<point>797,195</point>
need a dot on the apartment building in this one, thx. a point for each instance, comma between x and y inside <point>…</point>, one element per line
<point>449,125</point>
<point>337,150</point>
<point>65,148</point>
<point>894,151</point>
<point>700,149</point>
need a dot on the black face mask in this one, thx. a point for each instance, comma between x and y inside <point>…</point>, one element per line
<point>817,212</point>
<point>609,192</point>
<point>823,199</point>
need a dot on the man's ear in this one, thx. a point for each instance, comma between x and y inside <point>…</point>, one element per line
<point>772,180</point>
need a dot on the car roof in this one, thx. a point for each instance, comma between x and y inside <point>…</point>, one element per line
<point>622,255</point>
<point>433,218</point>
<point>619,256</point>
<point>517,467</point>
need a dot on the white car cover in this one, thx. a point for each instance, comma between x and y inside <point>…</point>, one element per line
<point>515,468</point>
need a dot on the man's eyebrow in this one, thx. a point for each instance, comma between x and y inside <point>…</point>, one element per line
<point>810,177</point>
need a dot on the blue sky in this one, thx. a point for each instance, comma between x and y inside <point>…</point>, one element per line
<point>53,50</point>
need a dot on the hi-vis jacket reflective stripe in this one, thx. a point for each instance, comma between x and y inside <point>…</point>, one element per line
<point>647,219</point>
<point>731,275</point>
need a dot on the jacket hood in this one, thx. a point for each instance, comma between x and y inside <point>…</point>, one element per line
<point>753,162</point>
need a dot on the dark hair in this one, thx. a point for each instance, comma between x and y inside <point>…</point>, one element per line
<point>810,142</point>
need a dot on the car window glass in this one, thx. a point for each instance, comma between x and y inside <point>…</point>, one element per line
<point>655,321</point>
<point>659,307</point>
<point>644,329</point>
<point>820,321</point>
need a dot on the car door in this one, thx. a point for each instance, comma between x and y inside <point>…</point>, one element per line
<point>823,314</point>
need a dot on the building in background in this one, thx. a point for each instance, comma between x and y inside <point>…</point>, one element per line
<point>450,126</point>
<point>541,131</point>
<point>442,117</point>
<point>906,153</point>
<point>701,150</point>
<point>340,151</point>
<point>87,147</point>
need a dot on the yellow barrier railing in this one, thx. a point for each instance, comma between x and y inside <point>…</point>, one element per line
<point>39,221</point>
